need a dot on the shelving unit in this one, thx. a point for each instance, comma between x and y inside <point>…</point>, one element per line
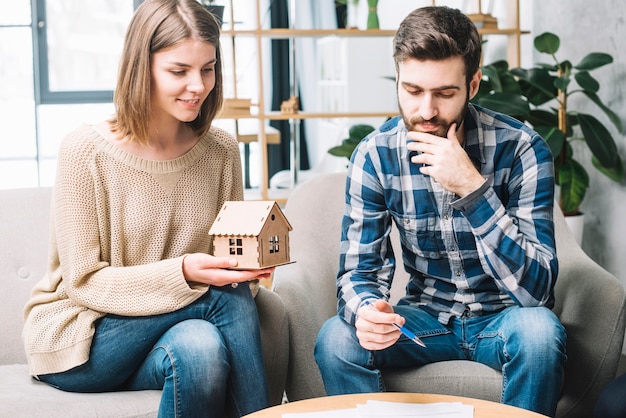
<point>266,135</point>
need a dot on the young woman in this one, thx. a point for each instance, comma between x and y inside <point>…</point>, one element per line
<point>132,299</point>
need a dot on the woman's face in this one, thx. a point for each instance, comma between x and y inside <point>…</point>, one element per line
<point>182,78</point>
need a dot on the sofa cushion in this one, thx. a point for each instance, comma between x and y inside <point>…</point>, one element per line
<point>24,231</point>
<point>20,395</point>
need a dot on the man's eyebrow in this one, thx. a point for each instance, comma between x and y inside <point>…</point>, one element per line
<point>439,88</point>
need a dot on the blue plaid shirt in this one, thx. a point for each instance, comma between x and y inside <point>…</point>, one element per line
<point>476,255</point>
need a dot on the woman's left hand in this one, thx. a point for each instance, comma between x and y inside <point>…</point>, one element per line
<point>218,271</point>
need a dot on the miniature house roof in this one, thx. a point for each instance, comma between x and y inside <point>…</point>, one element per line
<point>245,218</point>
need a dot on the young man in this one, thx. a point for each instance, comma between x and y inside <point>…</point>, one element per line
<point>471,192</point>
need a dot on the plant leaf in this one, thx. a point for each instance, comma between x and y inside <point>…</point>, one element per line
<point>493,77</point>
<point>507,103</point>
<point>547,43</point>
<point>615,173</point>
<point>587,82</point>
<point>599,140</point>
<point>574,181</point>
<point>537,84</point>
<point>594,60</point>
<point>540,117</point>
<point>553,136</point>
<point>612,116</point>
<point>360,131</point>
<point>562,82</point>
<point>342,151</point>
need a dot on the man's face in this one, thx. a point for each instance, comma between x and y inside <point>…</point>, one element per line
<point>432,95</point>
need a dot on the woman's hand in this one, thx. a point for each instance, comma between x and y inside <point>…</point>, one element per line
<point>216,271</point>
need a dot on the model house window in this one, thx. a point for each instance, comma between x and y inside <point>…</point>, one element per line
<point>274,244</point>
<point>235,246</point>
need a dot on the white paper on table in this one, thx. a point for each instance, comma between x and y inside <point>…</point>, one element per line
<point>337,413</point>
<point>383,409</point>
<point>380,409</point>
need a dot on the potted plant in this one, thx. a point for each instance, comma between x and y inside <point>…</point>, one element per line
<point>372,13</point>
<point>540,96</point>
<point>355,134</point>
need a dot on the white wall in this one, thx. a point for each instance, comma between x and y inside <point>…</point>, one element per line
<point>584,27</point>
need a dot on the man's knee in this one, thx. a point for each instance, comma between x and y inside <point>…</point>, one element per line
<point>336,339</point>
<point>539,329</point>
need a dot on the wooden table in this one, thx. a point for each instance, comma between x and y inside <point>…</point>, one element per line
<point>482,409</point>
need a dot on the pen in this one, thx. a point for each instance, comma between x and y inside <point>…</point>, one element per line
<point>402,329</point>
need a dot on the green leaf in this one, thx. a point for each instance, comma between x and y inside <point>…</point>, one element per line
<point>493,77</point>
<point>343,150</point>
<point>561,83</point>
<point>507,103</point>
<point>599,140</point>
<point>360,131</point>
<point>549,67</point>
<point>537,84</point>
<point>612,116</point>
<point>355,135</point>
<point>594,60</point>
<point>587,82</point>
<point>615,173</point>
<point>553,136</point>
<point>547,43</point>
<point>574,181</point>
<point>539,117</point>
<point>566,66</point>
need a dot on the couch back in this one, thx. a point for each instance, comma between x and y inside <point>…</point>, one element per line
<point>24,232</point>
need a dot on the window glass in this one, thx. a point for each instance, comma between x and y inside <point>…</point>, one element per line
<point>84,40</point>
<point>17,103</point>
<point>15,12</point>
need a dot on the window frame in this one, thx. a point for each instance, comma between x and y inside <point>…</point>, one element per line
<point>43,94</point>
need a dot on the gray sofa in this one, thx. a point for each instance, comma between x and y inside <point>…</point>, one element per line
<point>590,303</point>
<point>24,216</point>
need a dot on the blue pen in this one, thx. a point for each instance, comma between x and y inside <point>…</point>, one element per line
<point>403,330</point>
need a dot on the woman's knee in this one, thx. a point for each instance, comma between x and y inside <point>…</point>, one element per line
<point>196,342</point>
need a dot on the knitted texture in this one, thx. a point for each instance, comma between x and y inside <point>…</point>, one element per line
<point>120,227</point>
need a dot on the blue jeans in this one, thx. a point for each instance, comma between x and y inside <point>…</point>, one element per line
<point>612,403</point>
<point>205,357</point>
<point>526,344</point>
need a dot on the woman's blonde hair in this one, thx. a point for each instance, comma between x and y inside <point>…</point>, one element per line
<point>156,25</point>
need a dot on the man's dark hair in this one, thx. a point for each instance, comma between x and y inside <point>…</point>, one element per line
<point>437,33</point>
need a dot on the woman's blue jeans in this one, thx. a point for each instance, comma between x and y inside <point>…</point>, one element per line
<point>526,344</point>
<point>205,357</point>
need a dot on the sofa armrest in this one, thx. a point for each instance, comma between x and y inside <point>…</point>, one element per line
<point>275,340</point>
<point>590,303</point>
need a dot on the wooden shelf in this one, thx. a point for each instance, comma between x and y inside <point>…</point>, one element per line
<point>264,135</point>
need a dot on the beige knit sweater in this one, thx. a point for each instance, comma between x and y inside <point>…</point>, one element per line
<point>120,226</point>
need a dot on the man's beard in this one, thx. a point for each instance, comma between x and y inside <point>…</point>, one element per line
<point>443,126</point>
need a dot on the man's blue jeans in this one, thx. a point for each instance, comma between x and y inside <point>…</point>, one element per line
<point>205,357</point>
<point>526,344</point>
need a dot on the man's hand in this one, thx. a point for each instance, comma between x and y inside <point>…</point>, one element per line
<point>374,325</point>
<point>445,160</point>
<point>216,271</point>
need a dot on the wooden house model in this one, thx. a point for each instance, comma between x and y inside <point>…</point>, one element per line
<point>256,233</point>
